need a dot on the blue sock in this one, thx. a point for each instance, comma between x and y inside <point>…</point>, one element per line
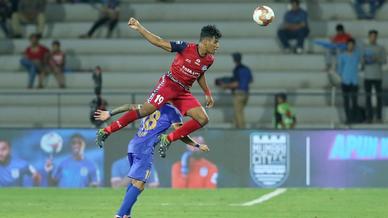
<point>129,200</point>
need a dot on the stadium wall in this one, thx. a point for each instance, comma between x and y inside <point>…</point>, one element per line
<point>238,158</point>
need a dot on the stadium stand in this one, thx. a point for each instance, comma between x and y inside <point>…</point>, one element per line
<point>131,65</point>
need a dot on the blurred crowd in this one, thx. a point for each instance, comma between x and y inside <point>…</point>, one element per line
<point>346,58</point>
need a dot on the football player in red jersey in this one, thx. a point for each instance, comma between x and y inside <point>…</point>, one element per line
<point>189,65</point>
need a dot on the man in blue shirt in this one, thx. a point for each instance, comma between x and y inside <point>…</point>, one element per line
<point>295,26</point>
<point>347,67</point>
<point>119,174</point>
<point>13,170</point>
<point>75,171</point>
<point>141,148</point>
<point>242,77</point>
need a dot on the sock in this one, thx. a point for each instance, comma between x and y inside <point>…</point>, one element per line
<point>123,121</point>
<point>129,200</point>
<point>187,128</point>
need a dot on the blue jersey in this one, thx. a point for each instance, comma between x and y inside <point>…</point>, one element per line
<point>152,127</point>
<point>72,173</point>
<point>13,172</point>
<point>121,167</point>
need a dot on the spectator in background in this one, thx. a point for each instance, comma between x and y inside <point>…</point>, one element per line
<point>5,13</point>
<point>374,57</point>
<point>13,170</point>
<point>57,63</point>
<point>29,11</point>
<point>239,84</point>
<point>119,175</point>
<point>347,67</point>
<point>109,14</point>
<point>35,61</point>
<point>295,26</point>
<point>374,5</point>
<point>338,42</point>
<point>284,115</point>
<point>98,103</point>
<point>194,171</point>
<point>75,171</point>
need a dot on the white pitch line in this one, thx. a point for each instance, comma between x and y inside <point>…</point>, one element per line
<point>263,198</point>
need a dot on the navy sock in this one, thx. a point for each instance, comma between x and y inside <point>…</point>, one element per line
<point>129,200</point>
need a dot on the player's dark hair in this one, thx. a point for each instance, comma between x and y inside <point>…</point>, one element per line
<point>351,40</point>
<point>295,1</point>
<point>282,96</point>
<point>237,57</point>
<point>210,31</point>
<point>340,27</point>
<point>373,32</point>
<point>77,135</point>
<point>56,42</point>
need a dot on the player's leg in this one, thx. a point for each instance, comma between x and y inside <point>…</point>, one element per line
<point>162,93</point>
<point>123,121</point>
<point>139,172</point>
<point>190,106</point>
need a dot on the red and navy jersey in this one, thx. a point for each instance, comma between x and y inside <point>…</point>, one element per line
<point>188,65</point>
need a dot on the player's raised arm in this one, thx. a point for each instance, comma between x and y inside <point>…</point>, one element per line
<point>190,141</point>
<point>209,98</point>
<point>105,115</point>
<point>152,38</point>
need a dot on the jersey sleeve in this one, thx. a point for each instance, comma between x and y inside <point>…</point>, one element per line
<point>178,46</point>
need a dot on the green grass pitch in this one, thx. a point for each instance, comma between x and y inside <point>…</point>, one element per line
<point>168,203</point>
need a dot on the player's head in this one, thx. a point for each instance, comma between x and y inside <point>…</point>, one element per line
<point>340,28</point>
<point>209,38</point>
<point>237,57</point>
<point>5,150</point>
<point>351,44</point>
<point>373,36</point>
<point>77,144</point>
<point>294,4</point>
<point>56,45</point>
<point>281,98</point>
<point>34,39</point>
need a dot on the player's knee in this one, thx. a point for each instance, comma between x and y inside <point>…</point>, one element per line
<point>138,184</point>
<point>203,119</point>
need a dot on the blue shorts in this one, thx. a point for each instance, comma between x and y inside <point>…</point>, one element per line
<point>140,166</point>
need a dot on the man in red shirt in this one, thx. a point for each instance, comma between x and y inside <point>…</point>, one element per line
<point>57,63</point>
<point>190,64</point>
<point>194,171</point>
<point>35,60</point>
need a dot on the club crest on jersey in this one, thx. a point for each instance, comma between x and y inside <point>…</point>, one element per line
<point>15,173</point>
<point>269,158</point>
<point>204,68</point>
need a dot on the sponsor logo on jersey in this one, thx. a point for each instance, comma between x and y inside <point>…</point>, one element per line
<point>269,158</point>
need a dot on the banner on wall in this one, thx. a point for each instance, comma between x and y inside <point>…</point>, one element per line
<point>238,158</point>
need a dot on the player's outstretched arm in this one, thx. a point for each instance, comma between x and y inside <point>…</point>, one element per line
<point>203,84</point>
<point>105,115</point>
<point>189,141</point>
<point>152,38</point>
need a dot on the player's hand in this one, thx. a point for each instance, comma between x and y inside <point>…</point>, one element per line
<point>133,23</point>
<point>101,115</point>
<point>204,148</point>
<point>209,101</point>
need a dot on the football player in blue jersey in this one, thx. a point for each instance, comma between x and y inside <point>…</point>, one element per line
<point>76,171</point>
<point>141,148</point>
<point>13,170</point>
